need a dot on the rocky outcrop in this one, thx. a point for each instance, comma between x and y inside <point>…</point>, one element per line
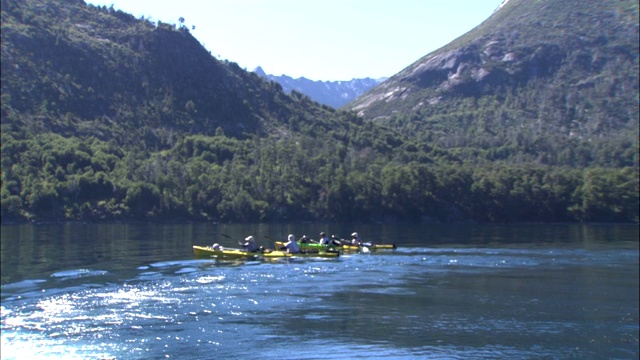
<point>485,66</point>
<point>551,49</point>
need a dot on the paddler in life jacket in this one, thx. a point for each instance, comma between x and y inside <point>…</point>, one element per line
<point>324,239</point>
<point>249,244</point>
<point>292,245</point>
<point>355,239</point>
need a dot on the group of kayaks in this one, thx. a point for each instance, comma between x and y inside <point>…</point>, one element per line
<point>306,250</point>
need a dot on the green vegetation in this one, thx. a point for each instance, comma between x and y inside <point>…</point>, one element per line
<point>107,117</point>
<point>550,82</point>
<point>219,178</point>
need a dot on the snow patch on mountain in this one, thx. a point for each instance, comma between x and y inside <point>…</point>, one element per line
<point>501,5</point>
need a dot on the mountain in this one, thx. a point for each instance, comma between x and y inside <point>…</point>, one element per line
<point>331,93</point>
<point>548,79</point>
<point>107,117</point>
<point>103,72</point>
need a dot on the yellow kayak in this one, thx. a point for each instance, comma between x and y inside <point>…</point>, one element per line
<point>284,254</point>
<point>373,247</point>
<point>209,252</point>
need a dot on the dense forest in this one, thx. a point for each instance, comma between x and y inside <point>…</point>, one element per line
<point>107,117</point>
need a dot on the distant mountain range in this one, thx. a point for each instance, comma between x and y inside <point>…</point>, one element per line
<point>332,93</point>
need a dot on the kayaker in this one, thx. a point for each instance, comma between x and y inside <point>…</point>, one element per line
<point>249,244</point>
<point>324,239</point>
<point>355,239</point>
<point>292,245</point>
<point>335,241</point>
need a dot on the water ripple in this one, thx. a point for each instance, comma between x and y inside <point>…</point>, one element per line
<point>77,273</point>
<point>412,303</point>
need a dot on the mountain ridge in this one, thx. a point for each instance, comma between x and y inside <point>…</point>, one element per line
<point>507,57</point>
<point>332,93</point>
<point>559,74</point>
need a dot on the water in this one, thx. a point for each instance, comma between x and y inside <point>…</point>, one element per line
<point>134,291</point>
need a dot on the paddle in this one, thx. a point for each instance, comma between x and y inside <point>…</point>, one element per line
<point>270,238</point>
<point>274,242</point>
<point>230,238</point>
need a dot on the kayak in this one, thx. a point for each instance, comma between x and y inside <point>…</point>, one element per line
<point>284,254</point>
<point>320,247</point>
<point>306,246</point>
<point>372,247</point>
<point>383,247</point>
<point>209,252</point>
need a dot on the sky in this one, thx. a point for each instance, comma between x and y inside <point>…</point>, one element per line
<point>327,40</point>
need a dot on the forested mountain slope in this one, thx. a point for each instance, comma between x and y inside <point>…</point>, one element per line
<point>89,69</point>
<point>550,81</point>
<point>108,117</point>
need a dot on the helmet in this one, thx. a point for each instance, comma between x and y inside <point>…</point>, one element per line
<point>249,238</point>
<point>355,234</point>
<point>322,234</point>
<point>291,237</point>
<point>216,246</point>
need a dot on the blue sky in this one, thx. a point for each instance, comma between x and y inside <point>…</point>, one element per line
<point>320,40</point>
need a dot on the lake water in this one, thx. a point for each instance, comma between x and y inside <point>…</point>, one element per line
<point>135,291</point>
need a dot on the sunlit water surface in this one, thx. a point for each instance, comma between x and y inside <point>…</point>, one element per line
<point>86,292</point>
